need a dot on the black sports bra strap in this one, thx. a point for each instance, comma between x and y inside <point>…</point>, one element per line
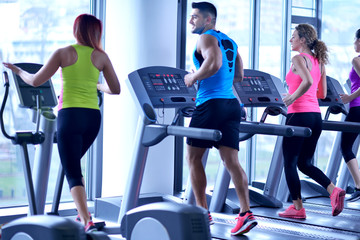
<point>306,62</point>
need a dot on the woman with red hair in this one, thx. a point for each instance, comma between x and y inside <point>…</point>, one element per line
<point>79,117</point>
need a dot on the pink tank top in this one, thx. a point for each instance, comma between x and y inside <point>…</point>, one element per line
<point>308,102</point>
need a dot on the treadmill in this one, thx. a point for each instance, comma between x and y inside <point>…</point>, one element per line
<point>337,169</point>
<point>316,199</point>
<point>254,91</point>
<point>270,225</point>
<point>153,88</point>
<point>313,193</point>
<point>148,86</point>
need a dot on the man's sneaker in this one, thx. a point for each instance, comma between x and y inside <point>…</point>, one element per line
<point>337,200</point>
<point>211,221</point>
<point>78,219</point>
<point>354,196</point>
<point>244,223</point>
<point>291,212</point>
<point>90,227</point>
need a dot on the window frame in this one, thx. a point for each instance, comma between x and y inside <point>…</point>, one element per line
<point>94,156</point>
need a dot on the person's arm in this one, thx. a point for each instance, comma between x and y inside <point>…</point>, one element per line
<point>43,75</point>
<point>322,87</point>
<point>209,49</point>
<point>300,66</point>
<point>239,69</point>
<point>348,98</point>
<point>112,85</point>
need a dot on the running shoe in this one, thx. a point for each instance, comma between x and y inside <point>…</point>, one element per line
<point>337,200</point>
<point>354,196</point>
<point>292,212</point>
<point>90,227</point>
<point>244,223</point>
<point>78,219</point>
<point>211,221</point>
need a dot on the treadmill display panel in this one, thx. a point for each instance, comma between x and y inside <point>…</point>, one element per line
<point>27,94</point>
<point>164,87</point>
<point>333,90</point>
<point>255,84</point>
<point>165,83</point>
<point>259,89</point>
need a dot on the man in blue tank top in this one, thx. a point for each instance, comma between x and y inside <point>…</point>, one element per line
<point>218,65</point>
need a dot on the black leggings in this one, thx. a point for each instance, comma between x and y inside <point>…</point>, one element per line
<point>348,138</point>
<point>299,152</point>
<point>77,129</point>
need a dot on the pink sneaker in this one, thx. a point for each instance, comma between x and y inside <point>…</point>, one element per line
<point>211,221</point>
<point>90,227</point>
<point>244,224</point>
<point>337,200</point>
<point>291,212</point>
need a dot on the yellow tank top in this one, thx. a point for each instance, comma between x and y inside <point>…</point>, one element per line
<point>79,81</point>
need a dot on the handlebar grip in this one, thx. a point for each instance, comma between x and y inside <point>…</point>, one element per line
<point>301,131</point>
<point>6,78</point>
<point>199,133</point>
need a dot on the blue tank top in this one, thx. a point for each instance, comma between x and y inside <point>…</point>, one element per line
<point>220,84</point>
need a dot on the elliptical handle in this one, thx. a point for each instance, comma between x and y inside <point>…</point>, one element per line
<point>6,78</point>
<point>2,125</point>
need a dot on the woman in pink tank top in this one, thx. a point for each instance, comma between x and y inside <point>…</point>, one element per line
<point>348,139</point>
<point>307,82</point>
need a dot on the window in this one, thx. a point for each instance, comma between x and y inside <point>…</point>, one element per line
<point>31,31</point>
<point>304,8</point>
<point>269,62</point>
<point>338,32</point>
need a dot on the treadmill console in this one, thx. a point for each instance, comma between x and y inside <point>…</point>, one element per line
<point>333,90</point>
<point>347,86</point>
<point>164,87</point>
<point>259,89</point>
<point>27,94</point>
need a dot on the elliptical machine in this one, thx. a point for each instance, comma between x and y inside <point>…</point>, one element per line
<point>38,226</point>
<point>41,100</point>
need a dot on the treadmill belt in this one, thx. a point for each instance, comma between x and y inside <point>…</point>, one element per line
<point>353,215</point>
<point>326,201</point>
<point>269,228</point>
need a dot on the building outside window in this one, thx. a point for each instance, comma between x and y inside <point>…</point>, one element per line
<point>31,31</point>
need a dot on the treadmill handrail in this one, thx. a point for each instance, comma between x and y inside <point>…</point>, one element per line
<point>199,133</point>
<point>274,129</point>
<point>341,126</point>
<point>155,133</point>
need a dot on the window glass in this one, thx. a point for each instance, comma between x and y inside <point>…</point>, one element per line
<point>234,20</point>
<point>31,31</point>
<point>269,62</point>
<point>304,8</point>
<point>270,36</point>
<point>338,32</point>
